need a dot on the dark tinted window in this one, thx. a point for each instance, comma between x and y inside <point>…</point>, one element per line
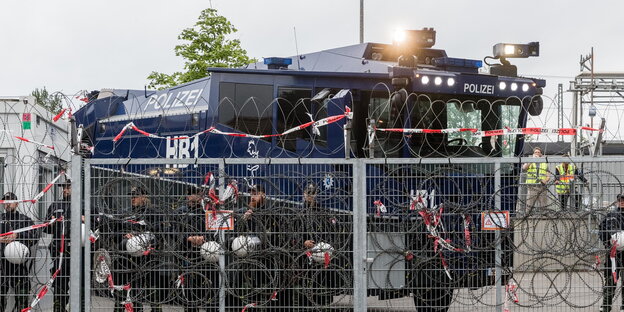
<point>293,110</point>
<point>246,107</point>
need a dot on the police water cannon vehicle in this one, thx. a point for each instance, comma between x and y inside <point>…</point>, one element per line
<point>402,100</point>
<point>407,84</point>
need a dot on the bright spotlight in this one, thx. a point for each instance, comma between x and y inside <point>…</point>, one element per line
<point>399,36</point>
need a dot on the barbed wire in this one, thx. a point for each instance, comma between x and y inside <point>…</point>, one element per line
<point>549,253</point>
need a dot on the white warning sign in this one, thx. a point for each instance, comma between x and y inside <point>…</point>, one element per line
<point>494,220</point>
<point>219,220</point>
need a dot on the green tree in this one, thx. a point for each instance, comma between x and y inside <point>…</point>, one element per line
<point>53,102</point>
<point>205,45</point>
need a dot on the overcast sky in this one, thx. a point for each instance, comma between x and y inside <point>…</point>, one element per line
<point>73,45</point>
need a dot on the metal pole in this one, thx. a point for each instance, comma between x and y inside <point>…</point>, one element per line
<point>347,139</point>
<point>560,109</point>
<point>222,242</point>
<point>573,147</point>
<point>591,92</point>
<point>361,21</point>
<point>359,236</point>
<point>371,138</point>
<point>87,248</point>
<point>499,252</point>
<point>75,249</point>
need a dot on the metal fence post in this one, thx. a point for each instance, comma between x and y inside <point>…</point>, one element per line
<point>87,245</point>
<point>222,293</point>
<point>499,253</point>
<point>371,138</point>
<point>359,236</point>
<point>76,202</point>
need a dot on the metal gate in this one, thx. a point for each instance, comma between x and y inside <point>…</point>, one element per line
<point>340,234</point>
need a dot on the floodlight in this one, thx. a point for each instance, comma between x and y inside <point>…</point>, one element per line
<point>512,50</point>
<point>399,36</point>
<point>424,38</point>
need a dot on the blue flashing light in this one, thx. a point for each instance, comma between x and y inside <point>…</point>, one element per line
<point>278,61</point>
<point>457,62</point>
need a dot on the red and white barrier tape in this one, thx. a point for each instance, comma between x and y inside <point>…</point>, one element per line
<point>413,131</point>
<point>488,133</point>
<point>445,266</point>
<point>314,124</point>
<point>28,140</point>
<point>596,264</point>
<point>111,285</point>
<point>510,295</point>
<point>34,142</point>
<point>209,180</point>
<point>140,222</point>
<point>180,281</point>
<point>432,222</point>
<point>467,236</point>
<point>535,131</point>
<point>379,208</point>
<point>327,259</point>
<point>30,228</point>
<point>46,287</point>
<point>211,200</point>
<point>48,187</point>
<point>59,115</point>
<point>254,304</point>
<point>65,113</point>
<point>37,197</point>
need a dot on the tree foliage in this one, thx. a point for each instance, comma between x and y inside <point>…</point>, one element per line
<point>204,45</point>
<point>53,102</point>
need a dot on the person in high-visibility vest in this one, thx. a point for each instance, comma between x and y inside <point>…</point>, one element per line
<point>565,174</point>
<point>537,178</point>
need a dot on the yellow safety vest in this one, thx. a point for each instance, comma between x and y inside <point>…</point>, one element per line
<point>534,175</point>
<point>565,178</point>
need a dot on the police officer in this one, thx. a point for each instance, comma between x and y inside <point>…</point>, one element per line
<point>199,280</point>
<point>138,270</point>
<point>255,267</point>
<point>324,228</point>
<point>58,209</point>
<point>565,175</point>
<point>536,181</point>
<point>15,273</point>
<point>612,224</point>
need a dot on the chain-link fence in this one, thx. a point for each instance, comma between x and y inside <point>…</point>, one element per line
<point>29,253</point>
